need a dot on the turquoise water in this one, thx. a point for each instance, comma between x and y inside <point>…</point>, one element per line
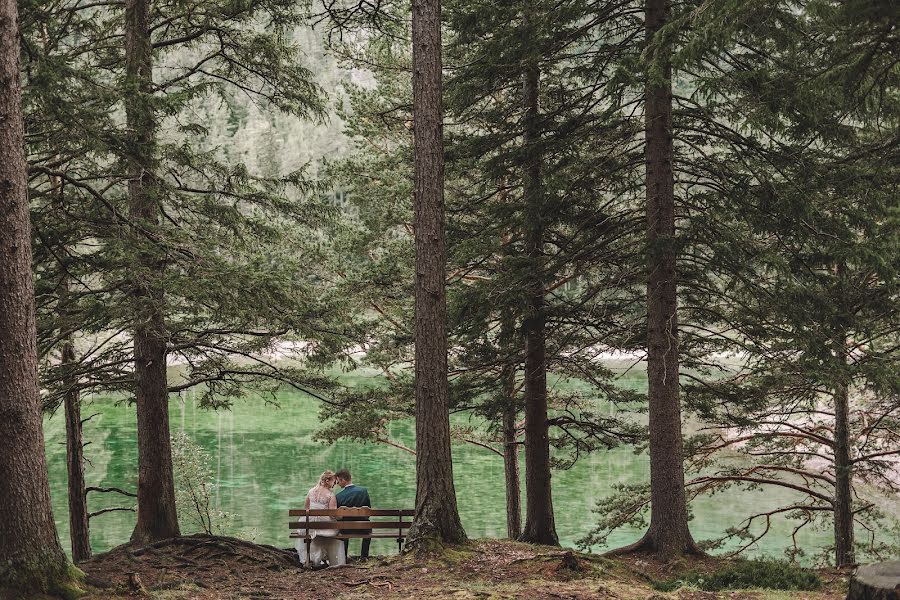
<point>265,460</point>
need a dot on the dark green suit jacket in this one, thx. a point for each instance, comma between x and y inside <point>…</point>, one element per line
<point>354,496</point>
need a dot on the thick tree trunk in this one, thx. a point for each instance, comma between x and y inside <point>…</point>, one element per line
<point>156,515</point>
<point>878,581</point>
<point>436,517</point>
<point>79,530</point>
<point>540,526</point>
<point>30,554</point>
<point>510,441</point>
<point>668,533</point>
<point>843,467</point>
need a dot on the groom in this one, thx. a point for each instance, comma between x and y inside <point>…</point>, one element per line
<point>353,496</point>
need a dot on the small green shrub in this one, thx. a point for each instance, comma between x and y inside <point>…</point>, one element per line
<point>748,574</point>
<point>195,488</point>
<point>765,574</point>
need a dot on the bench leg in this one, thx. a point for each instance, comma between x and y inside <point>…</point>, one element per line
<point>308,551</point>
<point>400,545</point>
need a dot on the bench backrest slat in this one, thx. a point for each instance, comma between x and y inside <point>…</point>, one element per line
<point>352,512</point>
<point>342,525</point>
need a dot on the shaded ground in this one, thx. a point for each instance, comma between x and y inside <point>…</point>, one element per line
<point>205,568</point>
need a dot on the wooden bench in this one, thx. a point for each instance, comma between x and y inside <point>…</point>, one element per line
<point>356,525</point>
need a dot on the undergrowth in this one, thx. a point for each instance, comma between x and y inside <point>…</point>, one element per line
<point>748,574</point>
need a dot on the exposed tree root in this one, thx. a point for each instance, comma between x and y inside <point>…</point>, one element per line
<point>193,550</point>
<point>645,546</point>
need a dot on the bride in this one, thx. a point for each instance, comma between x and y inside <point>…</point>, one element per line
<point>323,546</point>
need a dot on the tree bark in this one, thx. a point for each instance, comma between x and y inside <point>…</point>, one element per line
<point>79,526</point>
<point>511,462</point>
<point>510,441</point>
<point>79,529</point>
<point>843,473</point>
<point>437,517</point>
<point>540,526</point>
<point>668,533</point>
<point>30,554</point>
<point>156,514</point>
<point>843,467</point>
<point>878,581</point>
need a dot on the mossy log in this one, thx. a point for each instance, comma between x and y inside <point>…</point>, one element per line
<point>879,581</point>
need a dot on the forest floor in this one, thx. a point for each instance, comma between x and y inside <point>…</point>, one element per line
<point>207,568</point>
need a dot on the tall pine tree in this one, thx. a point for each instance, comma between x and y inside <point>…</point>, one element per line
<point>31,558</point>
<point>436,514</point>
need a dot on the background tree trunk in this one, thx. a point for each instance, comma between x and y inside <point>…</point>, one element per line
<point>436,510</point>
<point>540,526</point>
<point>156,514</point>
<point>30,554</point>
<point>510,441</point>
<point>79,528</point>
<point>843,467</point>
<point>79,521</point>
<point>511,468</point>
<point>668,533</point>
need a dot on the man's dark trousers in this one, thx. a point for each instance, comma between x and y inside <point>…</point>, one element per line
<point>355,496</point>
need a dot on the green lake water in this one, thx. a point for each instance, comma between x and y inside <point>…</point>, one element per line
<point>265,460</point>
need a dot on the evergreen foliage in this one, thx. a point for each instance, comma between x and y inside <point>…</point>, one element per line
<point>786,162</point>
<point>236,248</point>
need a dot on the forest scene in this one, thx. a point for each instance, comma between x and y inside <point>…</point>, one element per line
<point>407,299</point>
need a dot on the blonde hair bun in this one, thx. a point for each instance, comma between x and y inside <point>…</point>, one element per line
<point>325,477</point>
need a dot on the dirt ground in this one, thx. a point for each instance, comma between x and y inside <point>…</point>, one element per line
<point>207,568</point>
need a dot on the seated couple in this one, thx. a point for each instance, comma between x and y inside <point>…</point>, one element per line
<point>324,548</point>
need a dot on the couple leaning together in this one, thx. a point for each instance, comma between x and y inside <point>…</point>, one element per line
<point>324,547</point>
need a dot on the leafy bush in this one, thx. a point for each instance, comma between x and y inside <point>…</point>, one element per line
<point>748,574</point>
<point>194,488</point>
<point>766,574</point>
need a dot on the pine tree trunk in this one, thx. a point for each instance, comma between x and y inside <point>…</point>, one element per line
<point>30,553</point>
<point>79,529</point>
<point>668,533</point>
<point>156,515</point>
<point>843,467</point>
<point>540,526</point>
<point>79,526</point>
<point>510,443</point>
<point>436,517</point>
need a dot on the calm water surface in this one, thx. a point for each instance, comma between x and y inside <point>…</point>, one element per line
<point>265,460</point>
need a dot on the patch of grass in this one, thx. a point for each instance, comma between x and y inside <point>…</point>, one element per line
<point>672,584</point>
<point>747,574</point>
<point>184,592</point>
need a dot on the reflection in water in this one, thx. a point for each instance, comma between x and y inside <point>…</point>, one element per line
<point>265,462</point>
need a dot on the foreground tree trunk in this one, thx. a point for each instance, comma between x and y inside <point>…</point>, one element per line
<point>878,581</point>
<point>30,554</point>
<point>437,517</point>
<point>668,534</point>
<point>540,526</point>
<point>156,515</point>
<point>79,529</point>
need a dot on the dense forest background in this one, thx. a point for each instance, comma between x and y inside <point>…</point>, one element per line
<point>495,213</point>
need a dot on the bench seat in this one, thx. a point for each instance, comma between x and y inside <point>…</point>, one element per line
<point>353,523</point>
<point>372,536</point>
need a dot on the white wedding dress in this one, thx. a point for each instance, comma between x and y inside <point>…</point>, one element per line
<point>324,546</point>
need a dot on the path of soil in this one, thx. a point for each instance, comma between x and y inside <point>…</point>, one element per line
<point>217,568</point>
